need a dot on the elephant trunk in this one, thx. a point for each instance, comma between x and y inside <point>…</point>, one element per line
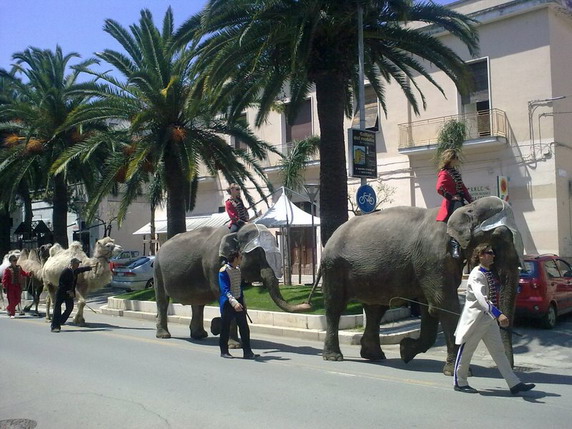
<point>271,282</point>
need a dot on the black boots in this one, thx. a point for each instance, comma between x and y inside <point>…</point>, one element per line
<point>455,248</point>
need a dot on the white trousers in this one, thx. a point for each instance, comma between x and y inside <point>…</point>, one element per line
<point>489,332</point>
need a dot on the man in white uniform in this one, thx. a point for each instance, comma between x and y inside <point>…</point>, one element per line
<point>480,320</point>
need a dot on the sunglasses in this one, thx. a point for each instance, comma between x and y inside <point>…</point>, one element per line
<point>489,252</point>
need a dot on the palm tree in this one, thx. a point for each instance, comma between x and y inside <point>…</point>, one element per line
<point>171,131</point>
<point>294,163</point>
<point>253,50</point>
<point>38,115</point>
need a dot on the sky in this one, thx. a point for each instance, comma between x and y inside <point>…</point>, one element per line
<point>76,25</point>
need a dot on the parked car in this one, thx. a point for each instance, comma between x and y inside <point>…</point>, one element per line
<point>124,258</point>
<point>137,275</point>
<point>545,289</point>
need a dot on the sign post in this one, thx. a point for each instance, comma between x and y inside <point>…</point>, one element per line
<point>366,198</point>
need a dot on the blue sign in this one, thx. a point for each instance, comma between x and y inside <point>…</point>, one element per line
<point>366,198</point>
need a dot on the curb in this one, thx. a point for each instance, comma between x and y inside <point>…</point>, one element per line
<point>392,335</point>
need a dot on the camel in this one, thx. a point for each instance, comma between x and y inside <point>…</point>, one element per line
<point>87,282</point>
<point>33,260</point>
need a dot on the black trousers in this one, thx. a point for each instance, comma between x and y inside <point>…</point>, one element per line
<point>58,319</point>
<point>228,313</point>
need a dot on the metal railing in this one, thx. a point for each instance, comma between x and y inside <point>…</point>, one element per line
<point>479,125</point>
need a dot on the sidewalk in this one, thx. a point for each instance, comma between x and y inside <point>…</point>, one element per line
<point>396,324</point>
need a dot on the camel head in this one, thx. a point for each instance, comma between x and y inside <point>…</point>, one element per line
<point>104,248</point>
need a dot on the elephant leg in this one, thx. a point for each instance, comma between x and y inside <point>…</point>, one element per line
<point>233,341</point>
<point>334,308</point>
<point>449,324</point>
<point>162,301</point>
<point>197,328</point>
<point>409,347</point>
<point>370,345</point>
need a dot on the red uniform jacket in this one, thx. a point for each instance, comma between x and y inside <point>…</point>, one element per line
<point>447,187</point>
<point>8,280</point>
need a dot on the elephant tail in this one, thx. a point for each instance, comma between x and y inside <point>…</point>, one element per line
<point>315,285</point>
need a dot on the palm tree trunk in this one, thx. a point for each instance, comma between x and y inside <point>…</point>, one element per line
<point>60,211</point>
<point>331,95</point>
<point>176,184</point>
<point>24,194</point>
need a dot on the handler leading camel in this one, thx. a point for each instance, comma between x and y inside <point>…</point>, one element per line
<point>66,293</point>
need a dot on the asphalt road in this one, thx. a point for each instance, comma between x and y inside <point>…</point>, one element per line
<point>116,374</point>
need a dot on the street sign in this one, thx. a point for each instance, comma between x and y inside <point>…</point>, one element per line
<point>366,198</point>
<point>363,153</point>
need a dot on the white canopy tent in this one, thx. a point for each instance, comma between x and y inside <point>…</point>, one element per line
<point>283,213</point>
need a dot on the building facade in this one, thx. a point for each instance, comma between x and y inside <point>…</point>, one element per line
<point>518,119</point>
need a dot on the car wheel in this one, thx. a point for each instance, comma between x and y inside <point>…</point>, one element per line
<point>549,319</point>
<point>149,284</point>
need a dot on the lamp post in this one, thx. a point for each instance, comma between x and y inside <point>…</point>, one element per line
<point>532,106</point>
<point>312,190</point>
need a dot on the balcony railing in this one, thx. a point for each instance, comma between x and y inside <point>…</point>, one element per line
<point>485,124</point>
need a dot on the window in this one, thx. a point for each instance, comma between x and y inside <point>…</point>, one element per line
<point>551,269</point>
<point>301,126</point>
<point>371,111</point>
<point>565,270</point>
<point>477,101</point>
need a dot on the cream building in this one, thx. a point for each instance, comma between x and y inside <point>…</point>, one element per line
<point>519,120</point>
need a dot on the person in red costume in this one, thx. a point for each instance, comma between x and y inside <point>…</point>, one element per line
<point>235,209</point>
<point>454,192</point>
<point>12,281</point>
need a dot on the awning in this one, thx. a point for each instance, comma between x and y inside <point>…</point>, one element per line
<point>192,222</point>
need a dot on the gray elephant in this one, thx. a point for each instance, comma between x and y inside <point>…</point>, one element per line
<point>186,269</point>
<point>403,252</point>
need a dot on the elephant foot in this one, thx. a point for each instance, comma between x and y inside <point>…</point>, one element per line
<point>449,369</point>
<point>199,334</point>
<point>234,344</point>
<point>162,333</point>
<point>407,349</point>
<point>372,354</point>
<point>333,356</point>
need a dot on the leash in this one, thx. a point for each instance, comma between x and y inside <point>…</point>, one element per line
<point>510,330</point>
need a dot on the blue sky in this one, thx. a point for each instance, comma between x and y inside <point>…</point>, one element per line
<point>76,25</point>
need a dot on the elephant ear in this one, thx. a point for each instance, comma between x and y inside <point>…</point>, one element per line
<point>228,245</point>
<point>460,227</point>
<point>505,218</point>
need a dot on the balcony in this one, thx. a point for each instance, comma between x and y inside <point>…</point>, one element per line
<point>484,128</point>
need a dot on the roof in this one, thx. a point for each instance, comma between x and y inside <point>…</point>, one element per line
<point>193,222</point>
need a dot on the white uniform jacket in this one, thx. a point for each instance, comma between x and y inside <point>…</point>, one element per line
<point>478,309</point>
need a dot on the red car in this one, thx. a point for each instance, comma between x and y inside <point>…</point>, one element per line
<point>545,289</point>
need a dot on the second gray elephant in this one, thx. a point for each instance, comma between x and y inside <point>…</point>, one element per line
<point>187,266</point>
<point>404,252</point>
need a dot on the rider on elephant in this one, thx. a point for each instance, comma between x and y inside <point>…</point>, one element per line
<point>450,185</point>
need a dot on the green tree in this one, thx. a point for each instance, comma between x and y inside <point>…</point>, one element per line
<point>451,136</point>
<point>171,129</point>
<point>38,116</point>
<point>253,50</point>
<point>294,163</point>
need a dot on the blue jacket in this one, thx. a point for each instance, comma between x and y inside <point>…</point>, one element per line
<point>224,288</point>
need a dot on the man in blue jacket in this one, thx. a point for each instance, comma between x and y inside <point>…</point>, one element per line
<point>232,306</point>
